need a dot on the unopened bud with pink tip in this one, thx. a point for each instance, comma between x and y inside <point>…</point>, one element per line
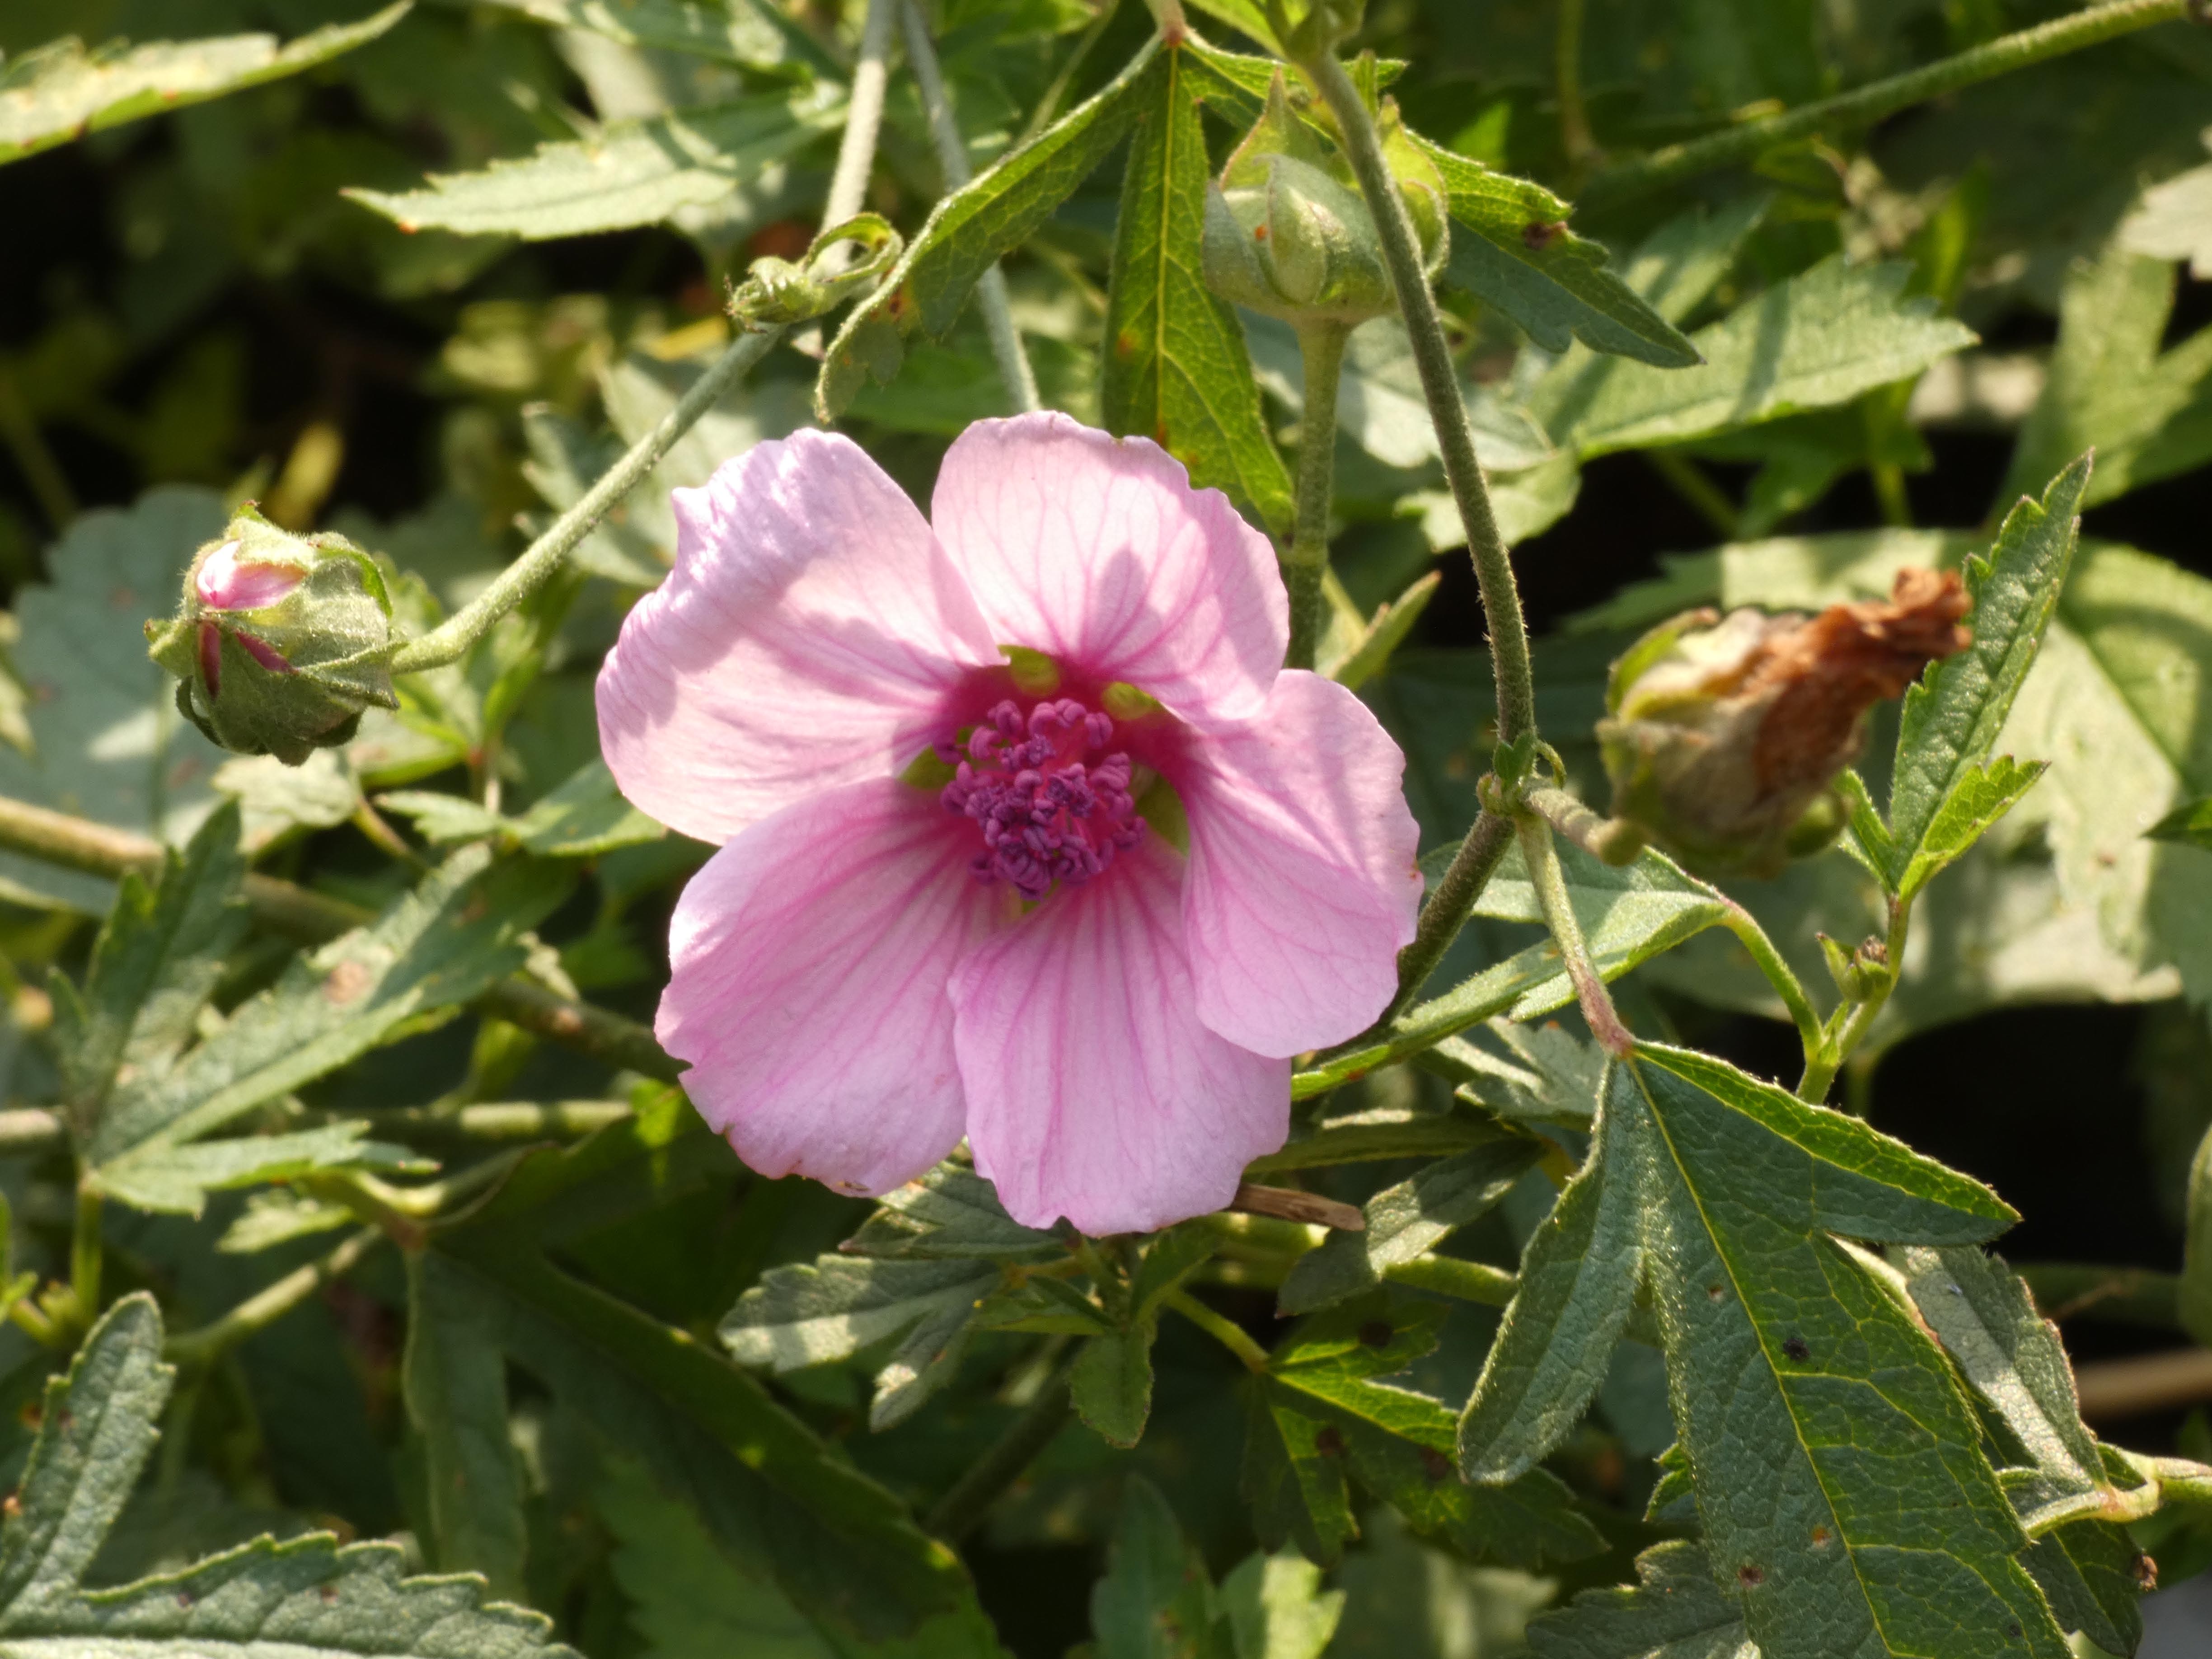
<point>281,641</point>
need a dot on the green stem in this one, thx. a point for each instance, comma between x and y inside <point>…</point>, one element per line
<point>1870,103</point>
<point>863,115</point>
<point>20,428</point>
<point>1787,986</point>
<point>1689,482</point>
<point>991,297</point>
<point>1449,907</point>
<point>86,1252</point>
<point>259,1312</point>
<point>1575,136</point>
<point>1321,350</point>
<point>1469,1281</point>
<point>1230,1334</point>
<point>1493,570</point>
<point>1551,885</point>
<point>1821,1066</point>
<point>956,1515</point>
<point>451,640</point>
<point>493,1121</point>
<point>101,849</point>
<point>1048,106</point>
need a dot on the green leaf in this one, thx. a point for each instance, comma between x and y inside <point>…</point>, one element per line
<point>1111,1383</point>
<point>2173,221</point>
<point>2093,1576</point>
<point>1176,369</point>
<point>1844,1500</point>
<point>1950,720</point>
<point>2147,413</point>
<point>804,1315</point>
<point>950,1212</point>
<point>778,1502</point>
<point>1276,1609</point>
<point>1155,1601</point>
<point>1782,573</point>
<point>1628,915</point>
<point>455,1382</point>
<point>1361,650</point>
<point>1409,1219</point>
<point>1316,1416</point>
<point>1368,1137</point>
<point>1673,1612</point>
<point>431,950</point>
<point>177,1178</point>
<point>306,1595</point>
<point>2193,1293</point>
<point>633,172</point>
<point>62,92</point>
<point>971,229</point>
<point>585,816</point>
<point>742,32</point>
<point>1816,340</point>
<point>1579,1272</point>
<point>687,1595</point>
<point>2012,1357</point>
<point>154,967</point>
<point>1555,284</point>
<point>1978,797</point>
<point>110,743</point>
<point>2189,824</point>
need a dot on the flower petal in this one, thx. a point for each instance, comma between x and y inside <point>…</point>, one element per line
<point>1096,550</point>
<point>1093,1091</point>
<point>1303,884</point>
<point>809,959</point>
<point>807,638</point>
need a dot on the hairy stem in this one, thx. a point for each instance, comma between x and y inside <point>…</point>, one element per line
<point>1321,350</point>
<point>952,160</point>
<point>1870,103</point>
<point>1468,1281</point>
<point>451,640</point>
<point>1566,929</point>
<point>259,1312</point>
<point>1779,975</point>
<point>86,1252</point>
<point>100,849</point>
<point>863,115</point>
<point>956,1515</point>
<point>1575,136</point>
<point>1493,570</point>
<point>1822,1064</point>
<point>1230,1334</point>
<point>1449,906</point>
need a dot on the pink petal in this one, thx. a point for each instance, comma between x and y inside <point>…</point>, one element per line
<point>1097,551</point>
<point>807,638</point>
<point>1303,884</point>
<point>1093,1091</point>
<point>809,959</point>
<point>225,582</point>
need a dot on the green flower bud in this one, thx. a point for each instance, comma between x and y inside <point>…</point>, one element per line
<point>1288,234</point>
<point>281,641</point>
<point>1724,734</point>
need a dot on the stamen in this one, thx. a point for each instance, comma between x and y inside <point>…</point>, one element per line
<point>1052,811</point>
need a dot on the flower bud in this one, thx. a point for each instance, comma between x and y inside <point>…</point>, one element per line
<point>1724,734</point>
<point>281,641</point>
<point>1288,234</point>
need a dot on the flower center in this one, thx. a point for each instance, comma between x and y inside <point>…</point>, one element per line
<point>1053,806</point>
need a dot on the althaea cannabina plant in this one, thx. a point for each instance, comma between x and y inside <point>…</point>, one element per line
<point>1026,834</point>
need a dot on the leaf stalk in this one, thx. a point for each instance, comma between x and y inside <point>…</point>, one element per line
<point>1320,352</point>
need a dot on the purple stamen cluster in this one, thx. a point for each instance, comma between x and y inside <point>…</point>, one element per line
<point>1047,814</point>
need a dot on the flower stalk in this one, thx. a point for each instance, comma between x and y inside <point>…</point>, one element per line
<point>1551,885</point>
<point>1321,350</point>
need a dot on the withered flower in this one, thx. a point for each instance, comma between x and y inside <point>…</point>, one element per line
<point>1724,734</point>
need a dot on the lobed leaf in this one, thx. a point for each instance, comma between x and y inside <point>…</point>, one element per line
<point>803,1314</point>
<point>166,1176</point>
<point>454,1379</point>
<point>1674,1611</point>
<point>1175,367</point>
<point>1950,720</point>
<point>746,32</point>
<point>633,172</point>
<point>61,91</point>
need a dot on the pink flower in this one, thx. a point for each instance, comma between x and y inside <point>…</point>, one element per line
<point>873,966</point>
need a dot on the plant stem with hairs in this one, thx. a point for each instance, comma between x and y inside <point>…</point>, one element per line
<point>1320,349</point>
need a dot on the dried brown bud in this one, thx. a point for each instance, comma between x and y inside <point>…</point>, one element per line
<point>1724,732</point>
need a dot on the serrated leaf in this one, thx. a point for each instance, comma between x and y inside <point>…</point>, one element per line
<point>1819,339</point>
<point>2147,413</point>
<point>1369,1137</point>
<point>2090,1573</point>
<point>1111,1383</point>
<point>1673,1612</point>
<point>584,818</point>
<point>778,1502</point>
<point>803,1314</point>
<point>154,966</point>
<point>1629,914</point>
<point>742,32</point>
<point>1175,368</point>
<point>1980,796</point>
<point>454,1380</point>
<point>967,231</point>
<point>110,743</point>
<point>1555,284</point>
<point>1579,1273</point>
<point>61,91</point>
<point>308,1596</point>
<point>319,793</point>
<point>1155,1600</point>
<point>2189,824</point>
<point>176,1179</point>
<point>1950,719</point>
<point>633,172</point>
<point>926,1360</point>
<point>1409,1219</point>
<point>430,951</point>
<point>949,1213</point>
<point>1829,1445</point>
